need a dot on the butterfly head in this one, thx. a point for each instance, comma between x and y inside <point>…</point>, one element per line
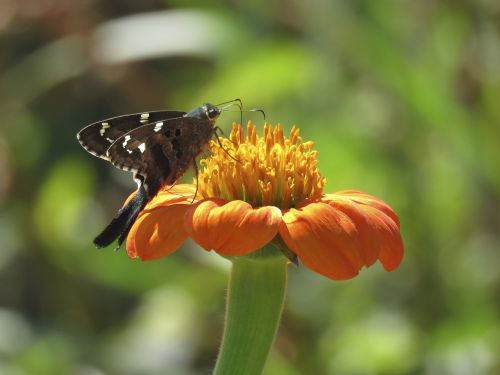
<point>207,111</point>
<point>212,112</point>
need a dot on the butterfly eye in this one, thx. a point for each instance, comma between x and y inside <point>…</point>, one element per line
<point>213,113</point>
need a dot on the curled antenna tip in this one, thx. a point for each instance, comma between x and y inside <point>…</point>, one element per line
<point>263,113</point>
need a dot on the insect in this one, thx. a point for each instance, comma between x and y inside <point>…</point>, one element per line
<point>157,147</point>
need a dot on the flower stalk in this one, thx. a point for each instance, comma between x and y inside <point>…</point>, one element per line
<point>256,293</point>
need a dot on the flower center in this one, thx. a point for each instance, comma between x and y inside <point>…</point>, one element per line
<point>268,170</point>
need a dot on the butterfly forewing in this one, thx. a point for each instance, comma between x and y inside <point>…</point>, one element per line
<point>96,138</point>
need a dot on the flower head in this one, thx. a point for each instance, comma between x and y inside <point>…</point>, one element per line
<point>257,189</point>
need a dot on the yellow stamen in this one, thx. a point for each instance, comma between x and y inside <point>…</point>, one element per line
<point>271,170</point>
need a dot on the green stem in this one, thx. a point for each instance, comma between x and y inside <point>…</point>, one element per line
<point>257,287</point>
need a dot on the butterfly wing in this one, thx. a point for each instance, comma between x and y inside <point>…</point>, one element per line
<point>160,152</point>
<point>96,138</point>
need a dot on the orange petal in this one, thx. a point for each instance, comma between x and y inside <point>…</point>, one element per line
<point>169,194</point>
<point>377,223</point>
<point>369,200</point>
<point>231,228</point>
<point>157,232</point>
<point>325,240</point>
<point>159,228</point>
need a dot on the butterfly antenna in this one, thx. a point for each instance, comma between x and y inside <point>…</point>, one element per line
<point>232,102</point>
<point>246,110</point>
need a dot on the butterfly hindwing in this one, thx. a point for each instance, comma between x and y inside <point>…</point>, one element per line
<point>96,138</point>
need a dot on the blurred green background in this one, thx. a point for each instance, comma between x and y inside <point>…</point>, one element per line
<point>403,101</point>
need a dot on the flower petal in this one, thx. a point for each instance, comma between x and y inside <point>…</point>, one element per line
<point>369,200</point>
<point>159,229</point>
<point>231,228</point>
<point>157,232</point>
<point>169,194</point>
<point>377,223</point>
<point>325,240</point>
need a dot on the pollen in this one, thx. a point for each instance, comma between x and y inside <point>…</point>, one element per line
<point>271,169</point>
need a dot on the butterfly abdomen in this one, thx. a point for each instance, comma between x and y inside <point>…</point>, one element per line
<point>119,227</point>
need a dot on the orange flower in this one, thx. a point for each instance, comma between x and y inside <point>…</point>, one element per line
<point>273,193</point>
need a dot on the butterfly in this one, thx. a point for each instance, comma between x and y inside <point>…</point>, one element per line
<point>157,147</point>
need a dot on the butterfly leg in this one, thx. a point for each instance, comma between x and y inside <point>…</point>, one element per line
<point>195,165</point>
<point>221,146</point>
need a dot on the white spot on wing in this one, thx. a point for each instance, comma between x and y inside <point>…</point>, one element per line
<point>144,118</point>
<point>142,147</point>
<point>158,126</point>
<point>104,126</point>
<point>127,138</point>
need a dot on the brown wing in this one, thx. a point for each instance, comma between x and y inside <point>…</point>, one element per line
<point>97,137</point>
